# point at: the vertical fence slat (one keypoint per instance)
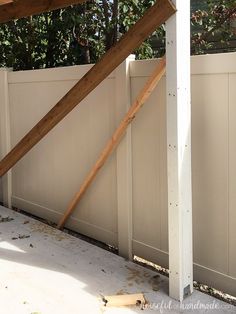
(5, 143)
(124, 163)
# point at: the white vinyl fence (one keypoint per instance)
(127, 203)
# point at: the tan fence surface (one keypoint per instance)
(127, 202)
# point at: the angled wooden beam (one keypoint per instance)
(11, 10)
(154, 17)
(116, 137)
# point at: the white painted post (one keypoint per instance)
(179, 151)
(5, 144)
(124, 162)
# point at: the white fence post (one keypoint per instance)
(124, 162)
(5, 143)
(179, 151)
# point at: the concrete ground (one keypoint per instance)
(45, 271)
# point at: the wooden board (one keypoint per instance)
(154, 17)
(11, 10)
(5, 1)
(124, 300)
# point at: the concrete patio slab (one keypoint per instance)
(46, 271)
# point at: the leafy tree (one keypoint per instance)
(212, 23)
(81, 34)
(75, 35)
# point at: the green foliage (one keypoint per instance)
(212, 25)
(75, 35)
(81, 34)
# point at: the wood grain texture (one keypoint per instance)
(11, 10)
(116, 137)
(124, 300)
(5, 1)
(154, 17)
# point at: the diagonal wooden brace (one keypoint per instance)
(154, 17)
(116, 137)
